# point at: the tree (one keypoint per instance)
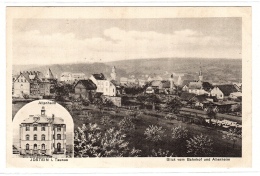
(232, 135)
(90, 141)
(108, 103)
(211, 112)
(179, 133)
(99, 103)
(152, 99)
(174, 105)
(126, 125)
(154, 133)
(200, 145)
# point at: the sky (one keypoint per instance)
(57, 41)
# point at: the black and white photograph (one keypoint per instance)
(143, 87)
(42, 129)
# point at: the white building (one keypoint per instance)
(42, 135)
(72, 77)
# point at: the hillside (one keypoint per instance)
(213, 69)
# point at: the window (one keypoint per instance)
(43, 137)
(43, 146)
(35, 146)
(43, 128)
(58, 128)
(21, 80)
(27, 146)
(27, 128)
(35, 137)
(27, 137)
(58, 137)
(34, 128)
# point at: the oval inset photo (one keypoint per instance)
(43, 129)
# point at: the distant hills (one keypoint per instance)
(213, 69)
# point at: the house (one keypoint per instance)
(42, 135)
(199, 87)
(32, 83)
(69, 77)
(85, 89)
(185, 85)
(112, 88)
(223, 91)
(100, 81)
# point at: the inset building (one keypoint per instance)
(42, 135)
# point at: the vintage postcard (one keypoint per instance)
(139, 87)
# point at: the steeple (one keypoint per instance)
(113, 73)
(171, 81)
(200, 75)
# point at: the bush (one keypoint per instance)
(178, 132)
(89, 141)
(154, 133)
(200, 145)
(126, 124)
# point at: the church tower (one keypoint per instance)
(113, 74)
(200, 75)
(171, 81)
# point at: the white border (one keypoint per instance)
(255, 79)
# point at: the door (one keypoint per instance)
(58, 147)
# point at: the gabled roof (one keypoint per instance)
(99, 76)
(200, 98)
(187, 96)
(186, 82)
(36, 119)
(88, 84)
(49, 74)
(115, 83)
(31, 76)
(227, 89)
(156, 83)
(166, 84)
(195, 85)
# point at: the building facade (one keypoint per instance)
(85, 89)
(68, 77)
(42, 135)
